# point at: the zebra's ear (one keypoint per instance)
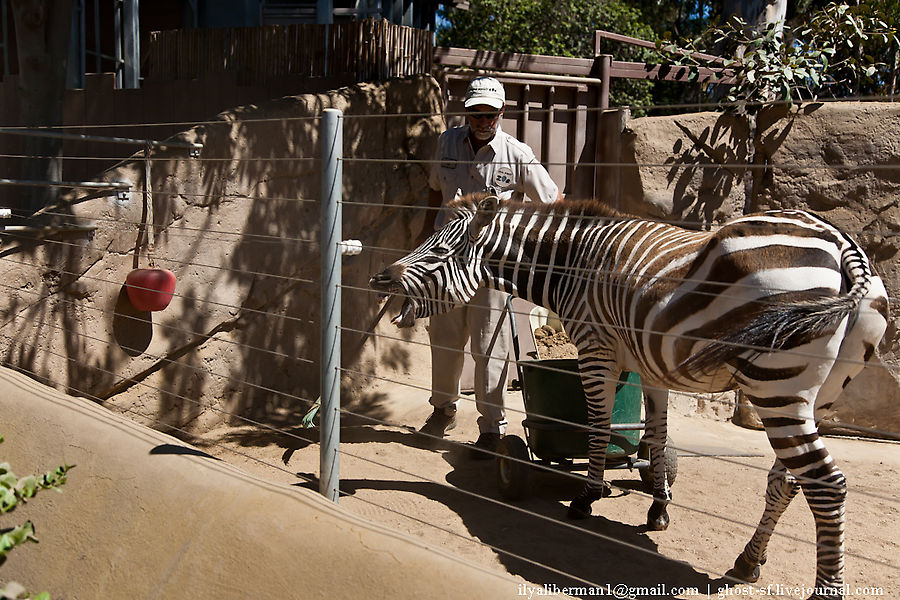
(485, 213)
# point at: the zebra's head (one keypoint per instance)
(446, 270)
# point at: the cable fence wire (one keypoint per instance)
(221, 236)
(233, 120)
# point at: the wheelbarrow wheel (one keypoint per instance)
(671, 459)
(513, 470)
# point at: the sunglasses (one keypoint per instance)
(488, 115)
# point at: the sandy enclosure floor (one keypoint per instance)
(441, 496)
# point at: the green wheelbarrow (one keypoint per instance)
(556, 429)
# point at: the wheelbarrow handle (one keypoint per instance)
(515, 336)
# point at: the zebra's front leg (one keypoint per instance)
(656, 401)
(598, 377)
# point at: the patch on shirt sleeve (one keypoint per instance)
(503, 177)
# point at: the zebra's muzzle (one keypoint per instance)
(387, 284)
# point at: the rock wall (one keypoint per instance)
(239, 226)
(841, 160)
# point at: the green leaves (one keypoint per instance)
(16, 536)
(841, 51)
(14, 591)
(54, 479)
(15, 491)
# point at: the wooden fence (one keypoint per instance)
(370, 50)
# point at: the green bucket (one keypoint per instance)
(552, 388)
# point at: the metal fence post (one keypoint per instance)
(605, 68)
(329, 426)
(131, 45)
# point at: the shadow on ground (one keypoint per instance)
(534, 539)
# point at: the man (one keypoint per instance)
(478, 157)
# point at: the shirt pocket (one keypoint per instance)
(448, 170)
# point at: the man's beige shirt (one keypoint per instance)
(504, 165)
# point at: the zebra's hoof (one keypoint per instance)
(580, 507)
(828, 594)
(579, 510)
(744, 570)
(657, 517)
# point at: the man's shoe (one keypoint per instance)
(485, 446)
(439, 423)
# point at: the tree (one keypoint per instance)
(757, 12)
(758, 17)
(679, 18)
(43, 29)
(840, 51)
(551, 28)
(865, 39)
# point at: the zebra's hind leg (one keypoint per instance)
(598, 377)
(792, 433)
(656, 404)
(780, 490)
(825, 489)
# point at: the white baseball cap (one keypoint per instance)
(485, 90)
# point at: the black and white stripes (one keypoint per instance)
(782, 305)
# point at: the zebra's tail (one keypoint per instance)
(782, 327)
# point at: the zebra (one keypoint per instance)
(781, 304)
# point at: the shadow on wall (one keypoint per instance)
(712, 146)
(239, 226)
(688, 168)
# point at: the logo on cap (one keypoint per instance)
(487, 91)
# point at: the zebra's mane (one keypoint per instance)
(581, 207)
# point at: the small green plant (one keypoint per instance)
(838, 52)
(13, 493)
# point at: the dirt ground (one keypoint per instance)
(441, 496)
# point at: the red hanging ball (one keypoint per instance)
(150, 289)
